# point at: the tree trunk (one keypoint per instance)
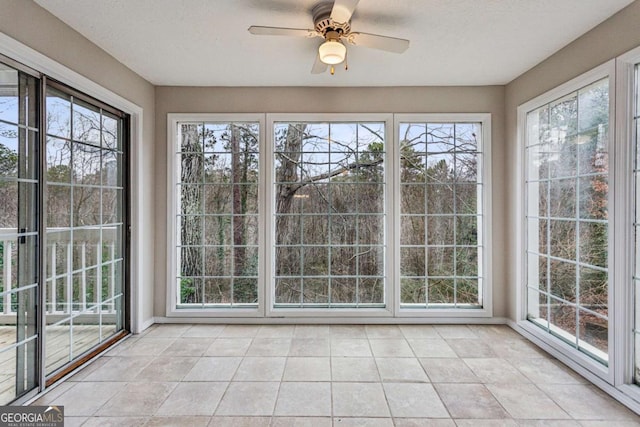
(238, 190)
(287, 174)
(191, 176)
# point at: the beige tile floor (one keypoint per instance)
(210, 375)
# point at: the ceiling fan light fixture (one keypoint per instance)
(332, 52)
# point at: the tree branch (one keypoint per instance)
(355, 165)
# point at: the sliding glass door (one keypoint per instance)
(85, 219)
(63, 220)
(19, 233)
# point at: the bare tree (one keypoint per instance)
(191, 176)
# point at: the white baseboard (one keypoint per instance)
(332, 320)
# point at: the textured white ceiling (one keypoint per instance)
(453, 42)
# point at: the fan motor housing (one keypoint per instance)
(323, 22)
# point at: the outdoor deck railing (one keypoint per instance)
(80, 283)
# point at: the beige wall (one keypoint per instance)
(28, 23)
(613, 37)
(488, 99)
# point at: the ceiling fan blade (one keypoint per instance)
(343, 9)
(319, 67)
(280, 31)
(374, 41)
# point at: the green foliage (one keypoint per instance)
(187, 291)
(2, 266)
(245, 291)
(59, 173)
(8, 161)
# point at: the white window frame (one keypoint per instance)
(374, 312)
(626, 138)
(568, 354)
(265, 309)
(173, 208)
(484, 233)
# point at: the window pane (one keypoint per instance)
(58, 160)
(315, 230)
(439, 199)
(537, 307)
(562, 239)
(245, 291)
(594, 332)
(9, 150)
(594, 290)
(111, 132)
(440, 230)
(371, 290)
(58, 114)
(217, 291)
(86, 206)
(563, 157)
(86, 123)
(562, 198)
(563, 280)
(563, 115)
(440, 137)
(594, 243)
(9, 96)
(593, 197)
(58, 206)
(288, 291)
(412, 230)
(412, 262)
(441, 291)
(315, 261)
(412, 198)
(288, 261)
(316, 290)
(413, 291)
(467, 291)
(539, 158)
(111, 163)
(562, 320)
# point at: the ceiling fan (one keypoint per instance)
(332, 22)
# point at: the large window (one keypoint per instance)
(567, 217)
(440, 214)
(580, 223)
(217, 231)
(328, 215)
